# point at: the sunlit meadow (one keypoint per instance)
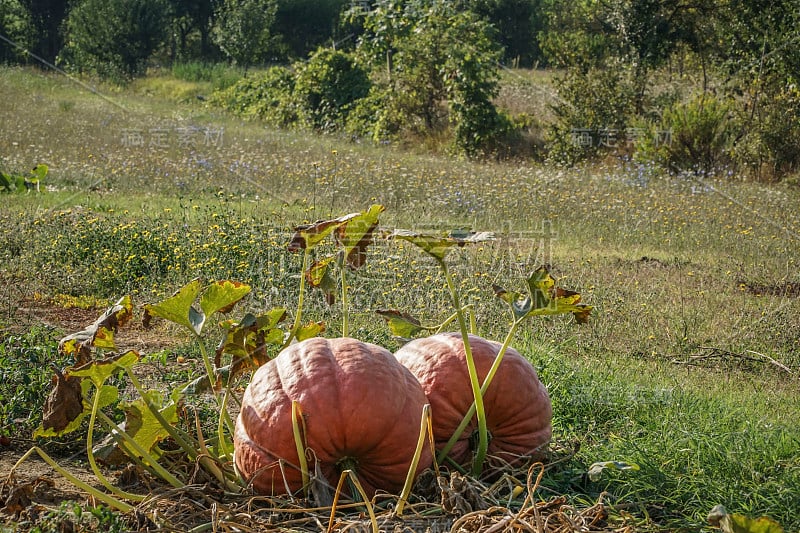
(688, 367)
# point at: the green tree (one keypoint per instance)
(439, 66)
(47, 17)
(16, 25)
(189, 17)
(577, 34)
(517, 23)
(756, 48)
(243, 30)
(114, 38)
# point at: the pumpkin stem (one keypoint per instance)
(424, 431)
(346, 463)
(486, 382)
(477, 394)
(474, 439)
(349, 464)
(300, 298)
(299, 433)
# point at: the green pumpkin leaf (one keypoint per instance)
(178, 308)
(98, 335)
(318, 273)
(401, 324)
(312, 329)
(38, 173)
(308, 236)
(319, 276)
(438, 246)
(6, 181)
(544, 298)
(596, 470)
(356, 235)
(217, 297)
(737, 523)
(540, 285)
(221, 296)
(98, 371)
(142, 425)
(248, 339)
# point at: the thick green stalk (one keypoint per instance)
(224, 416)
(350, 475)
(412, 468)
(299, 443)
(148, 459)
(300, 298)
(345, 304)
(225, 446)
(484, 387)
(483, 434)
(179, 436)
(101, 496)
(499, 357)
(372, 519)
(193, 448)
(209, 462)
(452, 317)
(212, 377)
(90, 455)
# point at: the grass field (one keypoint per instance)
(688, 368)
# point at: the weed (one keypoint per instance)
(25, 379)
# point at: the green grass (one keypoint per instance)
(691, 280)
(24, 375)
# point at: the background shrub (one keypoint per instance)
(769, 142)
(595, 104)
(220, 75)
(699, 133)
(114, 38)
(327, 87)
(267, 96)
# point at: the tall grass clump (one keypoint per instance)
(220, 75)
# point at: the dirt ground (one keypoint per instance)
(35, 486)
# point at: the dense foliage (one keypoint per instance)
(703, 401)
(114, 39)
(627, 67)
(242, 30)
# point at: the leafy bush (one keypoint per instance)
(266, 96)
(698, 133)
(15, 23)
(327, 87)
(480, 129)
(375, 116)
(770, 144)
(440, 69)
(471, 81)
(594, 105)
(242, 30)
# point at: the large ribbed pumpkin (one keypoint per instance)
(361, 407)
(518, 409)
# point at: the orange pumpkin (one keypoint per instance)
(518, 410)
(361, 409)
